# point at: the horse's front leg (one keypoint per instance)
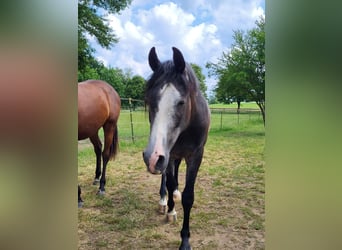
(188, 196)
(187, 202)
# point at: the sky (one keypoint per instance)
(201, 29)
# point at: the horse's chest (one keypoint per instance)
(185, 145)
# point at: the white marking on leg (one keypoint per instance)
(177, 196)
(172, 216)
(163, 205)
(163, 201)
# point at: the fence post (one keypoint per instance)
(221, 119)
(131, 117)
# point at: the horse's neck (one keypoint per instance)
(199, 106)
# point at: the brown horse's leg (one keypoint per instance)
(80, 201)
(108, 129)
(95, 140)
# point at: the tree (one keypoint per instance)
(198, 72)
(91, 70)
(241, 71)
(92, 20)
(135, 88)
(115, 77)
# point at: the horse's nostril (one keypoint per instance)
(160, 162)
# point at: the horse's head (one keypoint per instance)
(168, 96)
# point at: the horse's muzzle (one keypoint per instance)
(155, 163)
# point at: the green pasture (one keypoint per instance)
(228, 212)
(243, 105)
(220, 120)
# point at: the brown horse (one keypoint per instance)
(98, 106)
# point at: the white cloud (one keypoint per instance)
(163, 26)
(235, 14)
(171, 13)
(103, 60)
(202, 30)
(257, 12)
(115, 24)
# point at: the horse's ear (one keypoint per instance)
(153, 59)
(178, 60)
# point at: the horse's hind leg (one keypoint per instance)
(177, 196)
(80, 201)
(171, 185)
(108, 129)
(162, 193)
(95, 140)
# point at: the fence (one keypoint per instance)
(134, 123)
(229, 117)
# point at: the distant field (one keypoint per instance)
(246, 105)
(218, 121)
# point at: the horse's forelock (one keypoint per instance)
(187, 81)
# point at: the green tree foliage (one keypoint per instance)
(135, 87)
(241, 71)
(91, 70)
(198, 71)
(87, 73)
(115, 77)
(92, 20)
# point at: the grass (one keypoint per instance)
(228, 212)
(137, 121)
(246, 105)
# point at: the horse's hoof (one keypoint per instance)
(80, 204)
(162, 209)
(162, 205)
(185, 248)
(96, 181)
(185, 245)
(177, 196)
(172, 216)
(101, 192)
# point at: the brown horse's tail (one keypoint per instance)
(115, 144)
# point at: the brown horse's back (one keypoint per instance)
(98, 103)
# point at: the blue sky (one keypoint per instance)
(201, 29)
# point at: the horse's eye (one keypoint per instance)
(180, 103)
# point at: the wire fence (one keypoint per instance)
(134, 122)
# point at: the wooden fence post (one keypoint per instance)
(131, 117)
